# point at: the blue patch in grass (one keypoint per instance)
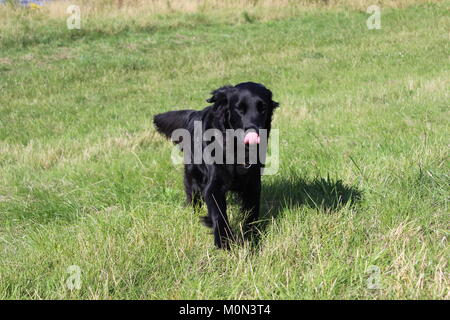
(27, 3)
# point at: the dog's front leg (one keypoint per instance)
(217, 213)
(251, 196)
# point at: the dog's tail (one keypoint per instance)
(167, 122)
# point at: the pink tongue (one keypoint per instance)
(251, 138)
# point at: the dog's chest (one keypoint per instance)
(240, 176)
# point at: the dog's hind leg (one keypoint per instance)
(191, 188)
(188, 185)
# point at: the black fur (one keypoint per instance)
(244, 106)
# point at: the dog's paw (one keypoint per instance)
(206, 221)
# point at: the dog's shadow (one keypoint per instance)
(326, 195)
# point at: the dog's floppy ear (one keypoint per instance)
(275, 104)
(221, 99)
(220, 96)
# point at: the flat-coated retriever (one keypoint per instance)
(247, 106)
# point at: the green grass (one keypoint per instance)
(364, 175)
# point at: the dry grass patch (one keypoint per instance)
(129, 9)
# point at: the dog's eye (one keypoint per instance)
(242, 107)
(261, 107)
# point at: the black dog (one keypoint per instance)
(247, 106)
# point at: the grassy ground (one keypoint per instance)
(364, 174)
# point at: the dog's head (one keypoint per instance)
(247, 106)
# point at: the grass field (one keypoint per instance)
(364, 133)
